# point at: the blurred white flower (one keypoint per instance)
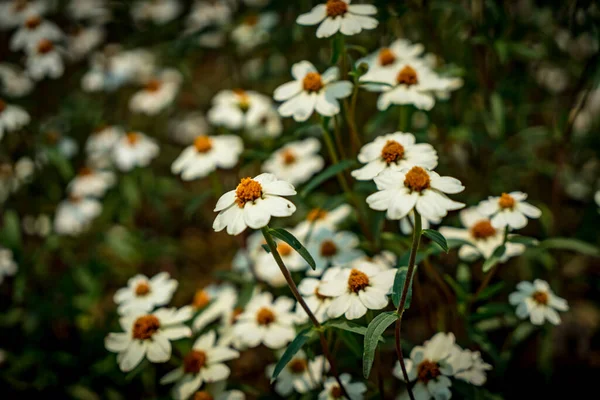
(159, 12)
(34, 29)
(185, 129)
(330, 248)
(319, 218)
(14, 13)
(340, 15)
(204, 363)
(158, 93)
(249, 254)
(310, 91)
(332, 391)
(214, 15)
(357, 290)
(8, 266)
(296, 162)
(44, 60)
(553, 78)
(74, 215)
(268, 270)
(90, 182)
(238, 109)
(134, 149)
(468, 366)
(253, 203)
(266, 321)
(13, 81)
(12, 118)
(82, 41)
(299, 375)
(215, 302)
(537, 302)
(254, 31)
(315, 300)
(217, 391)
(268, 126)
(94, 11)
(142, 294)
(394, 151)
(509, 210)
(206, 154)
(100, 143)
(40, 226)
(148, 335)
(400, 192)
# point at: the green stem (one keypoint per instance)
(409, 277)
(403, 124)
(338, 136)
(216, 184)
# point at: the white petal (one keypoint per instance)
(287, 90)
(300, 69)
(159, 350)
(132, 356)
(329, 27)
(316, 15)
(356, 308)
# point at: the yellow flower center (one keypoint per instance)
(153, 85)
(243, 99)
(201, 299)
(386, 57)
(203, 395)
(357, 281)
(392, 151)
(265, 316)
(483, 229)
(45, 46)
(407, 76)
(506, 201)
(298, 365)
(194, 361)
(145, 326)
(335, 8)
(86, 171)
(316, 214)
(251, 20)
(312, 81)
(133, 138)
(236, 313)
(427, 371)
(142, 289)
(417, 179)
(328, 248)
(248, 190)
(33, 22)
(202, 144)
(288, 157)
(540, 297)
(284, 249)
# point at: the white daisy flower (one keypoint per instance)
(95, 11)
(134, 149)
(33, 30)
(268, 126)
(159, 12)
(254, 31)
(37, 226)
(44, 60)
(113, 68)
(407, 223)
(537, 301)
(428, 368)
(100, 143)
(268, 270)
(215, 14)
(266, 321)
(216, 302)
(484, 238)
(394, 151)
(388, 58)
(332, 390)
(249, 254)
(364, 287)
(12, 118)
(296, 162)
(148, 335)
(300, 374)
(82, 41)
(206, 154)
(310, 91)
(204, 363)
(74, 215)
(217, 391)
(319, 218)
(142, 294)
(317, 302)
(340, 15)
(253, 203)
(330, 248)
(8, 266)
(158, 93)
(509, 210)
(384, 260)
(90, 182)
(238, 109)
(14, 13)
(417, 188)
(468, 366)
(13, 81)
(185, 129)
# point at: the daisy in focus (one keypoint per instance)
(254, 31)
(340, 16)
(253, 203)
(206, 154)
(8, 266)
(75, 214)
(509, 210)
(12, 118)
(204, 363)
(315, 300)
(159, 12)
(266, 321)
(44, 60)
(394, 151)
(134, 149)
(417, 188)
(332, 390)
(310, 91)
(142, 294)
(300, 374)
(537, 301)
(296, 162)
(148, 335)
(357, 290)
(157, 94)
(330, 248)
(90, 182)
(238, 109)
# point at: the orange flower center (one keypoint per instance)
(427, 371)
(336, 8)
(483, 229)
(243, 99)
(86, 171)
(298, 365)
(142, 289)
(407, 76)
(540, 297)
(392, 151)
(312, 81)
(284, 249)
(357, 281)
(194, 361)
(506, 201)
(328, 248)
(288, 157)
(316, 214)
(236, 313)
(265, 316)
(247, 191)
(45, 46)
(2, 105)
(251, 20)
(386, 57)
(145, 326)
(133, 138)
(153, 85)
(417, 179)
(33, 22)
(202, 144)
(203, 395)
(201, 299)
(336, 392)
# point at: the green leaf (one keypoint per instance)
(399, 280)
(437, 237)
(337, 44)
(348, 326)
(291, 351)
(494, 258)
(575, 245)
(526, 240)
(374, 331)
(11, 232)
(330, 172)
(490, 291)
(290, 239)
(61, 163)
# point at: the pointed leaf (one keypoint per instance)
(494, 258)
(437, 237)
(290, 239)
(374, 331)
(299, 341)
(399, 280)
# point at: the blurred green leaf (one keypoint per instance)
(291, 351)
(399, 280)
(494, 258)
(575, 245)
(11, 231)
